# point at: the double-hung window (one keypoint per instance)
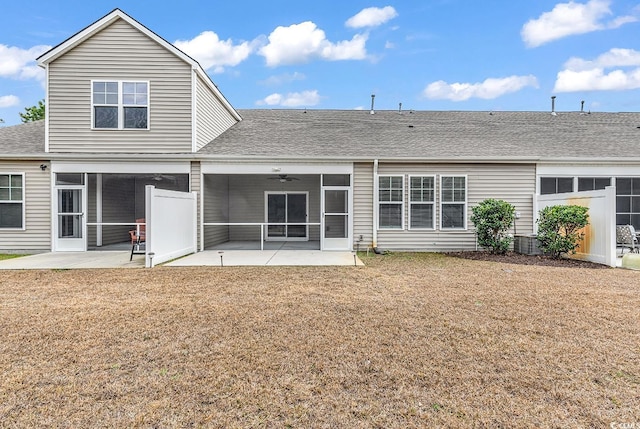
(120, 105)
(453, 202)
(12, 200)
(390, 202)
(421, 202)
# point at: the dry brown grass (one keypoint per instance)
(407, 341)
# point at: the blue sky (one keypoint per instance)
(427, 55)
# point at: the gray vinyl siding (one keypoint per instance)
(36, 237)
(120, 52)
(215, 194)
(212, 117)
(362, 205)
(512, 183)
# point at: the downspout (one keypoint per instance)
(376, 185)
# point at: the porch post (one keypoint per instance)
(99, 209)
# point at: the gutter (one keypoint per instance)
(320, 159)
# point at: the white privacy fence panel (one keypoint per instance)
(599, 243)
(171, 225)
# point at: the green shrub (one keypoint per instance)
(492, 219)
(559, 229)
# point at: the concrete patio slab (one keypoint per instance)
(266, 257)
(71, 260)
(120, 259)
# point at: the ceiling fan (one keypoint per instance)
(282, 178)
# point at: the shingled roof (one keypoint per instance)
(23, 139)
(421, 135)
(431, 135)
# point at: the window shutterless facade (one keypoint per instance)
(120, 105)
(12, 200)
(390, 202)
(422, 190)
(453, 202)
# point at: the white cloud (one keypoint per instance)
(9, 101)
(585, 75)
(567, 19)
(489, 89)
(292, 99)
(17, 63)
(299, 43)
(615, 57)
(213, 53)
(371, 17)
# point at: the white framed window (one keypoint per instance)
(453, 202)
(119, 105)
(11, 200)
(422, 194)
(628, 201)
(593, 183)
(390, 202)
(555, 185)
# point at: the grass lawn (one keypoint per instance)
(9, 256)
(410, 340)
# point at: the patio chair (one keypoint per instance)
(626, 238)
(138, 237)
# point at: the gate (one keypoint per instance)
(171, 224)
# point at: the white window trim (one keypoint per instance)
(121, 105)
(401, 203)
(465, 203)
(23, 201)
(433, 202)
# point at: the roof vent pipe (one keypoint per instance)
(553, 105)
(582, 107)
(373, 96)
(400, 108)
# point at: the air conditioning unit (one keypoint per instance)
(526, 245)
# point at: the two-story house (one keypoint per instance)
(127, 109)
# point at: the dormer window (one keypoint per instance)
(120, 105)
